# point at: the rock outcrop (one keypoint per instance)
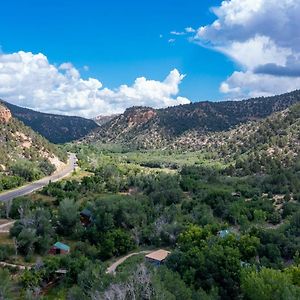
(5, 114)
(187, 125)
(101, 120)
(139, 115)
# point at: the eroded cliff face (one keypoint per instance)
(5, 114)
(139, 115)
(102, 119)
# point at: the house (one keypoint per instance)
(236, 194)
(157, 257)
(85, 217)
(223, 233)
(59, 248)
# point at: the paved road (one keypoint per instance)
(34, 186)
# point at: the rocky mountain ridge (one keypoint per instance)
(24, 154)
(55, 128)
(148, 128)
(102, 119)
(276, 134)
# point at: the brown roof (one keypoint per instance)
(158, 255)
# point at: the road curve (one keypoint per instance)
(34, 186)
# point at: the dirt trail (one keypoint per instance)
(4, 228)
(112, 268)
(20, 267)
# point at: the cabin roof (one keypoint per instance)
(62, 246)
(158, 255)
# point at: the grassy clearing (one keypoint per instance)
(5, 239)
(93, 156)
(78, 175)
(130, 263)
(167, 158)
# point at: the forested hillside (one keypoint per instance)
(274, 138)
(25, 155)
(55, 128)
(147, 128)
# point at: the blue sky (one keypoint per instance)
(92, 52)
(119, 40)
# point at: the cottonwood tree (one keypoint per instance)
(268, 284)
(68, 216)
(5, 285)
(8, 205)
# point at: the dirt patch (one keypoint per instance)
(3, 221)
(57, 163)
(5, 239)
(6, 225)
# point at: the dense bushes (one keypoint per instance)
(25, 171)
(23, 155)
(10, 182)
(186, 211)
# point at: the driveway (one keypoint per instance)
(4, 228)
(112, 268)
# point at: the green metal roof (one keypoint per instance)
(62, 246)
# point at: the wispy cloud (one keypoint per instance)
(177, 33)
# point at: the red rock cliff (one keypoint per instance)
(138, 116)
(5, 114)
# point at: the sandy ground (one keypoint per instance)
(6, 225)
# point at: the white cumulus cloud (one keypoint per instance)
(190, 30)
(263, 37)
(250, 84)
(29, 80)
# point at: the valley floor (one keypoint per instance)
(226, 229)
